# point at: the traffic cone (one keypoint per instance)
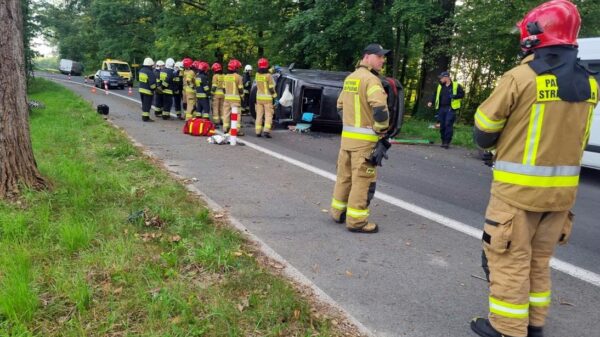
(106, 87)
(94, 88)
(234, 124)
(130, 92)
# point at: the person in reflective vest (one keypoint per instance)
(147, 86)
(234, 90)
(202, 91)
(363, 106)
(218, 96)
(189, 86)
(265, 95)
(158, 101)
(178, 88)
(447, 98)
(168, 86)
(538, 119)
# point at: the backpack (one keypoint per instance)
(199, 127)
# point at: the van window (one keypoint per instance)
(120, 67)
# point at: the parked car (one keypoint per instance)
(70, 67)
(112, 77)
(121, 67)
(317, 91)
(589, 52)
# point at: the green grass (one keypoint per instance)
(116, 247)
(419, 129)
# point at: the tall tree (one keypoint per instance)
(17, 165)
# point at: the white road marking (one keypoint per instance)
(565, 267)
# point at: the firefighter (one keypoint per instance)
(538, 120)
(234, 90)
(158, 100)
(147, 86)
(178, 88)
(247, 80)
(189, 86)
(363, 103)
(166, 80)
(218, 95)
(265, 94)
(202, 91)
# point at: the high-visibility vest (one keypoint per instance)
(265, 88)
(454, 102)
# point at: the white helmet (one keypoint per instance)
(148, 62)
(160, 63)
(179, 64)
(248, 67)
(169, 63)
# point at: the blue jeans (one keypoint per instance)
(446, 117)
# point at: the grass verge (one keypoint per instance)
(118, 248)
(420, 129)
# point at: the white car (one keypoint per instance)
(589, 53)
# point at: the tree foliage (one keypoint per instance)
(474, 38)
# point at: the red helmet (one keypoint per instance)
(263, 63)
(203, 66)
(195, 64)
(552, 23)
(217, 67)
(234, 65)
(187, 62)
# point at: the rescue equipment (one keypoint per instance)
(102, 109)
(199, 127)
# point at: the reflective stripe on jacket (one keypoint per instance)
(189, 81)
(166, 79)
(202, 89)
(541, 139)
(233, 87)
(362, 101)
(147, 81)
(217, 85)
(265, 87)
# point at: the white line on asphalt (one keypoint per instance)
(565, 267)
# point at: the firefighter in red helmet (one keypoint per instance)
(234, 90)
(538, 121)
(217, 93)
(265, 94)
(202, 91)
(189, 86)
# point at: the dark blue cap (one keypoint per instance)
(444, 74)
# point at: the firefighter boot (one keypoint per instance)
(535, 331)
(147, 119)
(369, 228)
(484, 328)
(267, 134)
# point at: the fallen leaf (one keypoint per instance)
(348, 273)
(175, 238)
(296, 314)
(118, 291)
(324, 210)
(238, 254)
(218, 215)
(176, 320)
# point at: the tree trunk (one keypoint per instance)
(17, 165)
(436, 52)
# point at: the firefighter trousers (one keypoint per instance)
(227, 108)
(263, 109)
(158, 104)
(167, 100)
(190, 99)
(146, 104)
(202, 108)
(177, 103)
(217, 108)
(354, 187)
(517, 247)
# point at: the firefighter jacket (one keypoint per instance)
(202, 88)
(234, 88)
(363, 103)
(189, 81)
(539, 138)
(265, 88)
(156, 72)
(177, 81)
(147, 81)
(166, 80)
(247, 82)
(455, 99)
(217, 85)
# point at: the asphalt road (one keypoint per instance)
(414, 278)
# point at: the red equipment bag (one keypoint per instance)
(199, 127)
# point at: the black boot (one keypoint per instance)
(484, 328)
(342, 218)
(535, 331)
(166, 117)
(267, 134)
(147, 119)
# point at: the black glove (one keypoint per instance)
(379, 152)
(488, 158)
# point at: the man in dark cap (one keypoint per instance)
(363, 106)
(447, 100)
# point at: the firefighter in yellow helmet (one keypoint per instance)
(189, 86)
(363, 103)
(265, 94)
(538, 120)
(234, 90)
(217, 93)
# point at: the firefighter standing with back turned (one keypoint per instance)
(202, 91)
(265, 94)
(366, 119)
(147, 86)
(538, 119)
(234, 90)
(189, 86)
(217, 93)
